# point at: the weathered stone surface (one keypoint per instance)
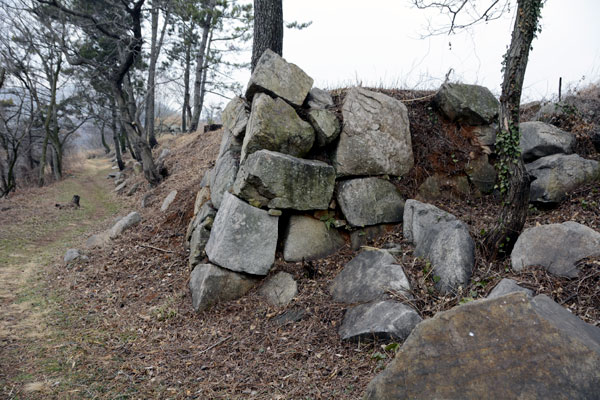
(276, 180)
(511, 347)
(210, 284)
(230, 143)
(146, 200)
(134, 189)
(556, 175)
(223, 176)
(97, 240)
(469, 104)
(386, 319)
(274, 75)
(235, 117)
(369, 276)
(486, 134)
(307, 238)
(482, 174)
(370, 201)
(506, 286)
(539, 139)
(202, 197)
(327, 126)
(72, 255)
(319, 99)
(556, 247)
(168, 200)
(444, 241)
(199, 233)
(120, 189)
(124, 223)
(375, 138)
(280, 289)
(243, 238)
(274, 125)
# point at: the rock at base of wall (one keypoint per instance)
(307, 238)
(280, 289)
(210, 284)
(124, 223)
(539, 139)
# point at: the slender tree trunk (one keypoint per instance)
(104, 144)
(205, 72)
(501, 238)
(268, 28)
(186, 86)
(116, 140)
(43, 161)
(200, 57)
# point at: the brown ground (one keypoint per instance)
(122, 326)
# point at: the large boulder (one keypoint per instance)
(556, 247)
(387, 319)
(307, 238)
(274, 75)
(274, 125)
(370, 201)
(276, 180)
(539, 139)
(243, 238)
(375, 138)
(223, 176)
(370, 276)
(511, 347)
(235, 117)
(124, 223)
(444, 241)
(210, 284)
(553, 177)
(468, 104)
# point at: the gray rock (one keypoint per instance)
(223, 176)
(202, 197)
(370, 201)
(375, 138)
(230, 143)
(280, 289)
(274, 125)
(168, 200)
(506, 286)
(201, 226)
(71, 255)
(146, 200)
(369, 276)
(319, 99)
(469, 104)
(290, 316)
(307, 238)
(120, 189)
(134, 189)
(482, 174)
(123, 224)
(511, 347)
(556, 175)
(486, 134)
(274, 75)
(276, 180)
(243, 238)
(539, 139)
(326, 124)
(556, 247)
(388, 319)
(138, 168)
(210, 284)
(444, 241)
(97, 240)
(235, 117)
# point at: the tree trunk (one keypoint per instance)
(186, 86)
(114, 121)
(268, 28)
(205, 73)
(513, 177)
(200, 57)
(104, 144)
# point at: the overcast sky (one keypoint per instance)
(378, 42)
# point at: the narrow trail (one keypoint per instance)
(34, 234)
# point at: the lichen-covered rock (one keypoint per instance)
(482, 174)
(556, 175)
(369, 276)
(485, 134)
(319, 99)
(243, 238)
(276, 180)
(199, 233)
(274, 75)
(375, 138)
(307, 238)
(506, 286)
(235, 117)
(468, 104)
(326, 124)
(511, 347)
(370, 201)
(556, 247)
(280, 289)
(210, 284)
(223, 176)
(539, 139)
(387, 319)
(123, 224)
(274, 125)
(418, 217)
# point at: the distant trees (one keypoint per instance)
(512, 176)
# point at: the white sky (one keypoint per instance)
(377, 42)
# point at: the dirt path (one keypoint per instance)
(33, 236)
